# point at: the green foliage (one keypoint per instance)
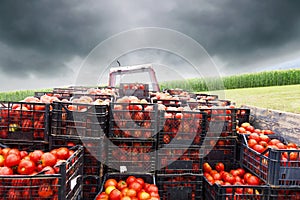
(18, 95)
(260, 79)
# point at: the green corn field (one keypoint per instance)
(261, 79)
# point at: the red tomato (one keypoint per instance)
(102, 196)
(6, 171)
(62, 153)
(253, 180)
(152, 188)
(254, 136)
(125, 198)
(110, 182)
(35, 156)
(131, 193)
(264, 138)
(220, 167)
(12, 160)
(115, 194)
(241, 172)
(259, 148)
(45, 190)
(251, 142)
(48, 159)
(136, 186)
(130, 179)
(229, 178)
(14, 151)
(274, 141)
(140, 181)
(26, 167)
(121, 185)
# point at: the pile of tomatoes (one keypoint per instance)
(131, 188)
(237, 176)
(19, 162)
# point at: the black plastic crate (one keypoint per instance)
(218, 148)
(131, 155)
(180, 186)
(221, 121)
(270, 165)
(91, 187)
(67, 184)
(22, 121)
(25, 146)
(139, 90)
(95, 152)
(133, 120)
(79, 120)
(284, 192)
(224, 192)
(244, 192)
(173, 159)
(182, 128)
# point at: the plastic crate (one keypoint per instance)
(283, 193)
(147, 177)
(139, 90)
(182, 128)
(173, 159)
(224, 192)
(67, 184)
(79, 120)
(22, 121)
(133, 120)
(220, 121)
(95, 151)
(131, 155)
(217, 148)
(91, 187)
(167, 102)
(25, 146)
(180, 186)
(270, 166)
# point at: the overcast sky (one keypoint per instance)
(44, 42)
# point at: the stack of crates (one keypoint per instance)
(82, 124)
(132, 137)
(279, 168)
(179, 163)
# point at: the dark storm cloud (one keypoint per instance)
(44, 36)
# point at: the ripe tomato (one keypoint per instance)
(48, 159)
(102, 196)
(121, 185)
(109, 189)
(6, 171)
(125, 198)
(259, 148)
(254, 136)
(253, 180)
(241, 172)
(26, 167)
(45, 190)
(135, 185)
(115, 194)
(140, 181)
(220, 167)
(62, 153)
(229, 178)
(12, 160)
(251, 142)
(35, 156)
(274, 141)
(130, 179)
(131, 193)
(152, 188)
(264, 137)
(206, 167)
(109, 182)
